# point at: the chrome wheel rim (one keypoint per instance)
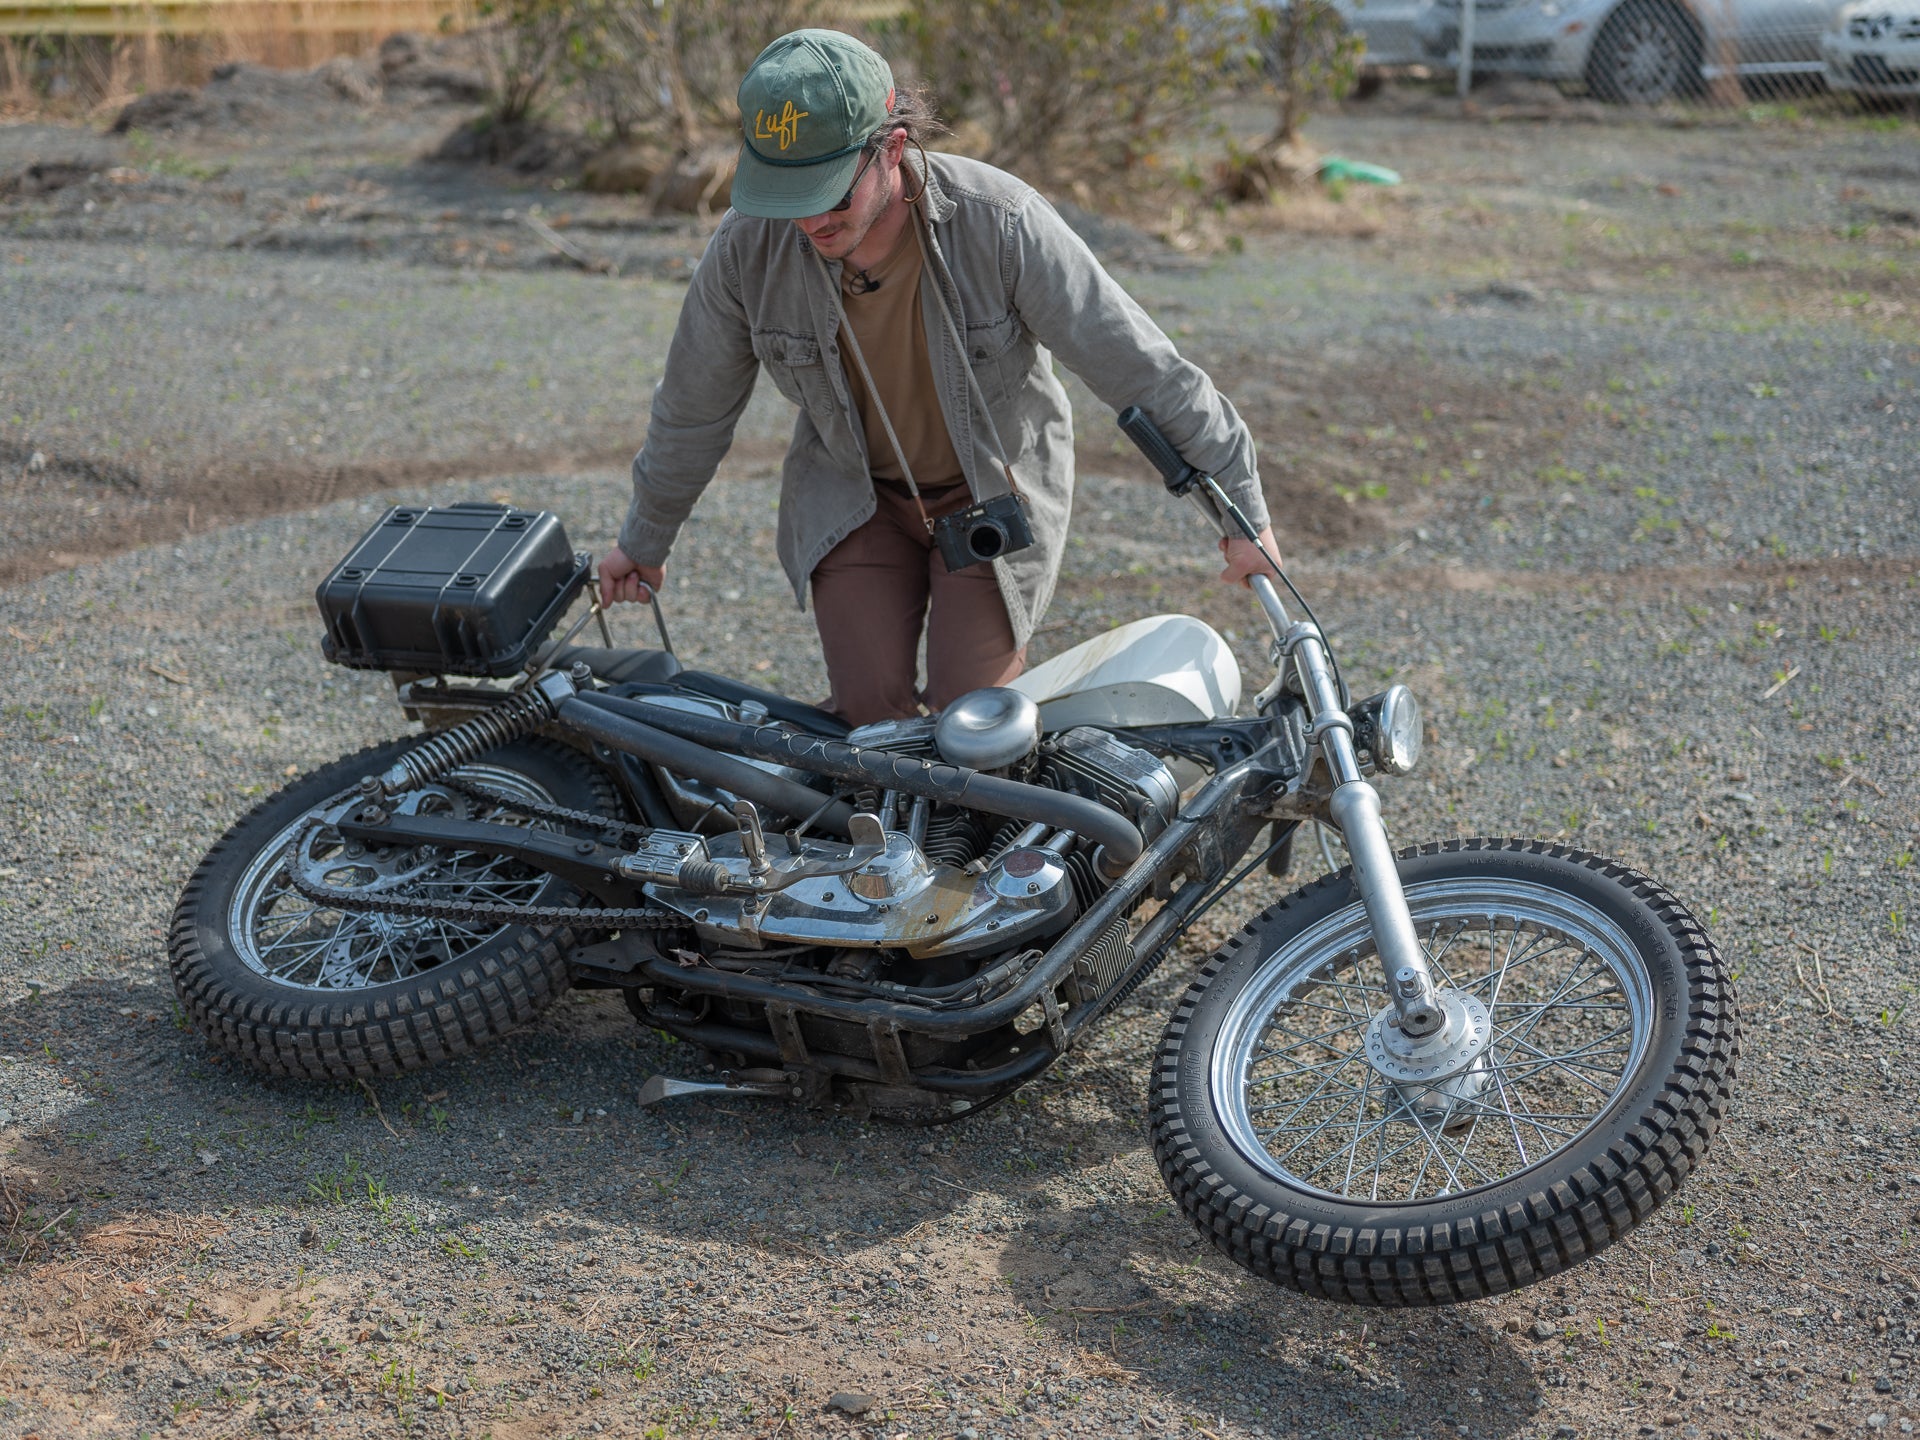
(304, 945)
(1570, 999)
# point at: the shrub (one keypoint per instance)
(1309, 56)
(1060, 87)
(671, 69)
(521, 44)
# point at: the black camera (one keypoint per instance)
(983, 532)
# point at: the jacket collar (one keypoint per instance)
(937, 203)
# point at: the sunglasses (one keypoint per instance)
(846, 200)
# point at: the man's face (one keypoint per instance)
(838, 233)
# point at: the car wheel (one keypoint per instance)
(1646, 53)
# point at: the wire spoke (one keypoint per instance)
(1568, 1006)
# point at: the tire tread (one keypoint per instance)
(448, 1011)
(1566, 1223)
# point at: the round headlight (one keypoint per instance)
(1396, 733)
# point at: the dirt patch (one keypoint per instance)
(86, 509)
(242, 96)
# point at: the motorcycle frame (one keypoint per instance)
(1295, 761)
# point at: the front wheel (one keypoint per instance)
(1586, 1063)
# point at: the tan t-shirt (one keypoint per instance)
(884, 310)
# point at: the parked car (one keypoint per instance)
(1872, 47)
(1388, 29)
(1634, 52)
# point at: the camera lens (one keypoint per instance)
(986, 540)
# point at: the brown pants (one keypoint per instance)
(871, 597)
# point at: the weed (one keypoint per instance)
(667, 1187)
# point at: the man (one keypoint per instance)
(955, 281)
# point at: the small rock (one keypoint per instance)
(907, 1257)
(850, 1402)
(1882, 1385)
(206, 1157)
(383, 1335)
(36, 462)
(1540, 1330)
(309, 1236)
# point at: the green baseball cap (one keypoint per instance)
(807, 106)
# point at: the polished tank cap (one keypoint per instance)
(988, 729)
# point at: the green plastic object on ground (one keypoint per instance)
(1337, 167)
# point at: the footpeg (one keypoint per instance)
(775, 1085)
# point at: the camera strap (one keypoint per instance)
(873, 394)
(953, 333)
(973, 384)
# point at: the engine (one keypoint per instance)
(929, 890)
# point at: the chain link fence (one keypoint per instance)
(1659, 52)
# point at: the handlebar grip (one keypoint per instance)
(1177, 473)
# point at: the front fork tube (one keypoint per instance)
(1355, 806)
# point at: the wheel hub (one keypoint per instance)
(1436, 1073)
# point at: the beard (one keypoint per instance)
(852, 226)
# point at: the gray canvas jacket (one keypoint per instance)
(1021, 285)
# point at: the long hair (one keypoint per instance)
(913, 112)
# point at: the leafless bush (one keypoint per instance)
(670, 70)
(1065, 87)
(1309, 56)
(521, 45)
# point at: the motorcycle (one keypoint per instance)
(1430, 1076)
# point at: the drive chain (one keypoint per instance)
(461, 912)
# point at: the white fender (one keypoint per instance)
(1163, 670)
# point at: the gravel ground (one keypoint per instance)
(1635, 518)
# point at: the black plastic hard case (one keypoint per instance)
(467, 589)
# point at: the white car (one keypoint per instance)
(1389, 30)
(1635, 52)
(1872, 47)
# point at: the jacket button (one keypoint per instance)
(979, 354)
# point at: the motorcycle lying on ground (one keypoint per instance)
(1431, 1076)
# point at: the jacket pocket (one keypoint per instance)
(1000, 354)
(797, 368)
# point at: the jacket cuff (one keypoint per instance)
(644, 542)
(1244, 488)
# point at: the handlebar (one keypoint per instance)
(1207, 497)
(1180, 477)
(1140, 429)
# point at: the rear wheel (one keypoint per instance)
(1586, 1066)
(292, 987)
(1646, 53)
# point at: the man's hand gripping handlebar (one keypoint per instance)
(1246, 554)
